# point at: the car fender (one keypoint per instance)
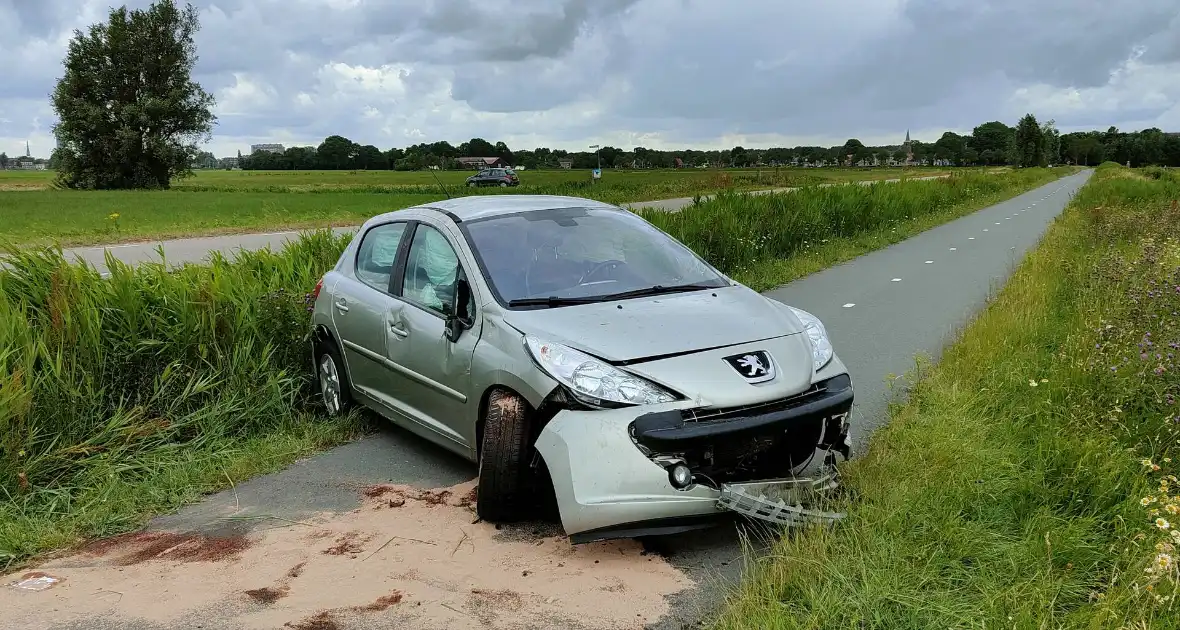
(600, 477)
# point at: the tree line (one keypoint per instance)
(994, 143)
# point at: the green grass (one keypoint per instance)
(988, 502)
(82, 218)
(297, 181)
(132, 395)
(226, 202)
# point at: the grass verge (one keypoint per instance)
(127, 396)
(1021, 483)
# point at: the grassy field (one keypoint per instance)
(217, 202)
(134, 395)
(1029, 481)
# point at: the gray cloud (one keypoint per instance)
(395, 72)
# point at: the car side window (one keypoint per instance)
(432, 272)
(377, 253)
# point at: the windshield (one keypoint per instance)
(582, 253)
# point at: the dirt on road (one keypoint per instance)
(407, 558)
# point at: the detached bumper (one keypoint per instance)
(607, 487)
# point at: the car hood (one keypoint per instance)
(643, 328)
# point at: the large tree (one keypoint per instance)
(1030, 142)
(130, 114)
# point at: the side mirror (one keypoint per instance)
(459, 319)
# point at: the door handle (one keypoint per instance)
(341, 305)
(398, 330)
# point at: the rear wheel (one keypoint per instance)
(471, 184)
(503, 461)
(503, 184)
(334, 390)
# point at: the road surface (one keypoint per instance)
(880, 309)
(198, 249)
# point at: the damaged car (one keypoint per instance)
(570, 347)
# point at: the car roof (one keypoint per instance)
(473, 207)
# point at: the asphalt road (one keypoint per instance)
(178, 251)
(880, 309)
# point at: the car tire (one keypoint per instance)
(503, 184)
(503, 461)
(471, 184)
(335, 393)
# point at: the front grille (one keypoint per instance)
(722, 414)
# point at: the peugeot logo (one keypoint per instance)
(755, 366)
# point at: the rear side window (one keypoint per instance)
(377, 253)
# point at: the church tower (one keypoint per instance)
(909, 149)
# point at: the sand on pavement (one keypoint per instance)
(407, 558)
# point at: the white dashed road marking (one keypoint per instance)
(928, 262)
(849, 305)
(952, 249)
(896, 280)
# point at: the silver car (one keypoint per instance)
(580, 355)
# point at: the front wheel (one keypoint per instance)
(471, 184)
(334, 390)
(503, 184)
(503, 460)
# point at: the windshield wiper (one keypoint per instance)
(553, 300)
(659, 289)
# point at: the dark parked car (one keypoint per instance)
(494, 177)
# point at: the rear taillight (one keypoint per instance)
(315, 294)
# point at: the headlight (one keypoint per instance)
(593, 381)
(821, 347)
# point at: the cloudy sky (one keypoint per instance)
(653, 73)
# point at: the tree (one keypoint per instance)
(1051, 143)
(337, 152)
(477, 147)
(3, 161)
(992, 141)
(1030, 142)
(130, 114)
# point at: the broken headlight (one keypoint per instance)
(592, 381)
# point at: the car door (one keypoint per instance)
(361, 301)
(437, 370)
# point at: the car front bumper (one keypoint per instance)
(607, 486)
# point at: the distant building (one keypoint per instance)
(228, 162)
(482, 162)
(565, 163)
(272, 148)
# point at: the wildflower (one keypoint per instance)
(113, 216)
(1032, 382)
(1146, 462)
(1167, 460)
(1163, 561)
(1162, 523)
(1175, 533)
(1172, 508)
(1044, 380)
(1146, 500)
